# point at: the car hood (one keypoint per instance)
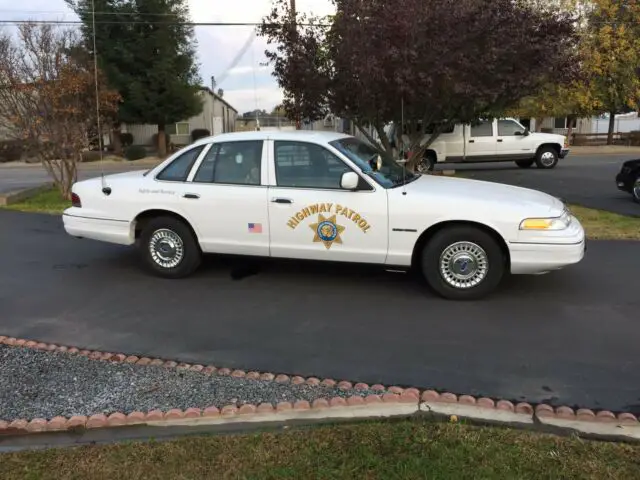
(548, 137)
(632, 163)
(489, 194)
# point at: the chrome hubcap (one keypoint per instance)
(166, 248)
(636, 189)
(464, 265)
(425, 166)
(547, 159)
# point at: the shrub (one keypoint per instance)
(199, 133)
(11, 150)
(91, 156)
(135, 152)
(126, 139)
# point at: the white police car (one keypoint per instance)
(325, 196)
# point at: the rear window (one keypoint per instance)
(178, 170)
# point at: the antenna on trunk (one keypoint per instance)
(106, 190)
(404, 165)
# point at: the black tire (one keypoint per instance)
(428, 163)
(547, 158)
(524, 163)
(172, 229)
(448, 238)
(635, 191)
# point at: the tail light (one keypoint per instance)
(75, 200)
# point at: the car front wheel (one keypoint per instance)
(463, 263)
(168, 248)
(636, 190)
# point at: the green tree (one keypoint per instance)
(147, 50)
(427, 63)
(613, 44)
(608, 55)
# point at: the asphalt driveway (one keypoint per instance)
(583, 180)
(570, 337)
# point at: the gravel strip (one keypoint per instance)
(38, 384)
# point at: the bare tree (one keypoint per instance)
(48, 98)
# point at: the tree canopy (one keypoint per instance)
(439, 62)
(48, 98)
(609, 62)
(147, 50)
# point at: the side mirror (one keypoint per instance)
(349, 181)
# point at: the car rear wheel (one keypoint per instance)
(547, 157)
(524, 163)
(427, 164)
(636, 190)
(463, 263)
(169, 248)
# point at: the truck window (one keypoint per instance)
(508, 128)
(483, 129)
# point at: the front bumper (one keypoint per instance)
(564, 152)
(542, 252)
(624, 182)
(529, 259)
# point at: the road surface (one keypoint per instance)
(570, 337)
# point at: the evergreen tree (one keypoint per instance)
(146, 48)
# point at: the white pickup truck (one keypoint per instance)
(498, 140)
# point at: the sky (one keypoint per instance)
(248, 85)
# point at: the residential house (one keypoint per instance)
(217, 116)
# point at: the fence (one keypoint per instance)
(594, 139)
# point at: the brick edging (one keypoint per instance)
(387, 396)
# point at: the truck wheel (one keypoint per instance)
(546, 158)
(524, 163)
(427, 164)
(168, 248)
(636, 190)
(463, 263)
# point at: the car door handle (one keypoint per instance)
(281, 200)
(499, 140)
(193, 196)
(472, 141)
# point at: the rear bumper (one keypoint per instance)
(111, 231)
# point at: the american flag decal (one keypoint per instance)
(255, 228)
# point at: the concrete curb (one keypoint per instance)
(17, 196)
(389, 402)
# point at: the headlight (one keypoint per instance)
(552, 223)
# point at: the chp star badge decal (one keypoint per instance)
(327, 231)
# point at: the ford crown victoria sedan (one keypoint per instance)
(325, 196)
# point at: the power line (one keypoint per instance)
(137, 22)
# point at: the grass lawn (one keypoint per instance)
(403, 449)
(598, 224)
(606, 225)
(48, 201)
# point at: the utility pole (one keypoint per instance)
(294, 24)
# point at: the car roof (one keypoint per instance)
(318, 136)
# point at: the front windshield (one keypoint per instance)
(390, 175)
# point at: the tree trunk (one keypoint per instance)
(115, 140)
(162, 141)
(612, 126)
(537, 123)
(570, 129)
